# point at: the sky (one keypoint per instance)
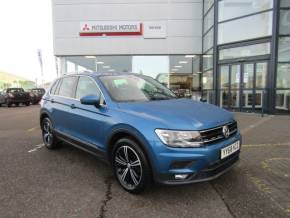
(25, 27)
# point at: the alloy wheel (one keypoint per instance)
(128, 167)
(47, 133)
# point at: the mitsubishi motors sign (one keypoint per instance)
(106, 28)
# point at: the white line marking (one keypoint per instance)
(36, 148)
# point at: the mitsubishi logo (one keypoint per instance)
(86, 28)
(226, 131)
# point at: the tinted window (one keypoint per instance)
(86, 86)
(67, 87)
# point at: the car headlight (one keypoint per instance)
(185, 139)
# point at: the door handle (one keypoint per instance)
(72, 106)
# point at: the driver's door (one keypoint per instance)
(88, 120)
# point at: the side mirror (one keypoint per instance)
(91, 100)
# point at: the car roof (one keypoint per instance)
(99, 74)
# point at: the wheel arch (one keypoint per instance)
(133, 135)
(43, 115)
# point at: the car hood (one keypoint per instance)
(183, 114)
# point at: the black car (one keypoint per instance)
(36, 95)
(14, 96)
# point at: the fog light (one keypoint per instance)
(180, 176)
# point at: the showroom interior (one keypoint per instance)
(240, 60)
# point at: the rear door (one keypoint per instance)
(62, 103)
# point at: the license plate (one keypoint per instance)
(227, 151)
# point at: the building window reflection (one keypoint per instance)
(180, 73)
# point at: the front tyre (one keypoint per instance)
(49, 139)
(130, 166)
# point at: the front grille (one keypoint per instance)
(216, 134)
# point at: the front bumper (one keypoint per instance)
(198, 164)
(210, 173)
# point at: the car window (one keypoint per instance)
(130, 88)
(67, 87)
(86, 86)
(15, 90)
(53, 88)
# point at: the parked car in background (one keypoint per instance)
(14, 96)
(141, 128)
(36, 95)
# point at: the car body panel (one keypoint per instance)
(36, 95)
(20, 96)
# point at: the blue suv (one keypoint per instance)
(140, 128)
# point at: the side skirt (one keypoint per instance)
(89, 148)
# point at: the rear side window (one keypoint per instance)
(67, 87)
(86, 86)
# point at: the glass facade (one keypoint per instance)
(284, 25)
(207, 59)
(256, 26)
(244, 36)
(283, 76)
(245, 51)
(207, 45)
(229, 9)
(284, 49)
(207, 4)
(181, 73)
(208, 40)
(249, 74)
(283, 66)
(208, 21)
(285, 3)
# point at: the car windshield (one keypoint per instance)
(14, 90)
(132, 88)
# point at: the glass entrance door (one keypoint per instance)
(242, 86)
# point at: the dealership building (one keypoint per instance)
(234, 53)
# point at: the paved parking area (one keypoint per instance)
(36, 182)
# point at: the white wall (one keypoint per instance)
(183, 17)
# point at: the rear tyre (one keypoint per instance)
(49, 139)
(9, 104)
(130, 165)
(17, 104)
(27, 103)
